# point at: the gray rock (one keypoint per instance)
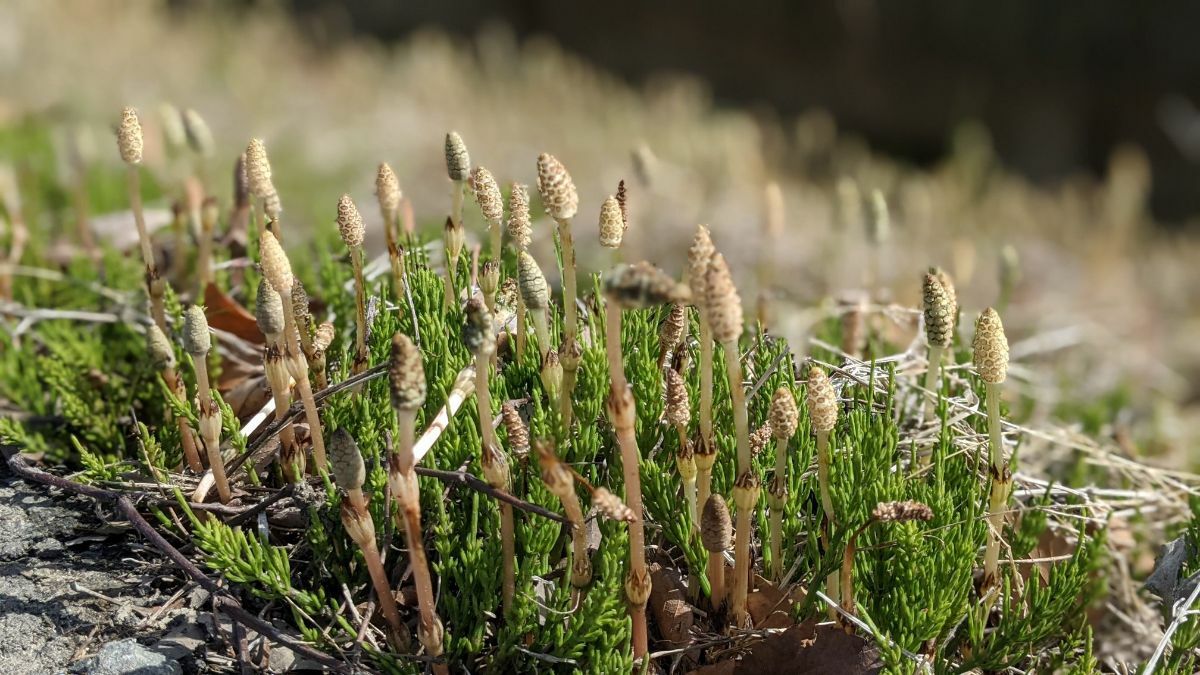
(127, 657)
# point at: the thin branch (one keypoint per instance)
(221, 597)
(475, 483)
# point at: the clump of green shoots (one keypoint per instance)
(196, 341)
(784, 418)
(350, 473)
(886, 512)
(990, 349)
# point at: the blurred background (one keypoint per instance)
(1044, 153)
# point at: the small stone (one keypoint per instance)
(126, 657)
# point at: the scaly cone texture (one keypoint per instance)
(199, 136)
(534, 290)
(784, 418)
(823, 413)
(722, 302)
(556, 187)
(612, 223)
(350, 222)
(643, 285)
(716, 533)
(822, 401)
(268, 311)
(487, 195)
(491, 204)
(349, 471)
(670, 333)
(387, 190)
(520, 227)
(939, 312)
(258, 170)
(196, 338)
(678, 409)
(700, 254)
(514, 426)
(990, 348)
(129, 137)
(406, 374)
(161, 352)
(458, 160)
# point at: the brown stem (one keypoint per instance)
(299, 370)
(210, 428)
(403, 483)
(741, 548)
(175, 385)
(716, 577)
(359, 525)
(360, 313)
(1001, 476)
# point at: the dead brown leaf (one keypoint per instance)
(224, 313)
(805, 649)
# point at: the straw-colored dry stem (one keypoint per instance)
(933, 379)
(360, 313)
(621, 409)
(210, 430)
(403, 480)
(154, 282)
(570, 314)
(359, 525)
(1001, 482)
(298, 367)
